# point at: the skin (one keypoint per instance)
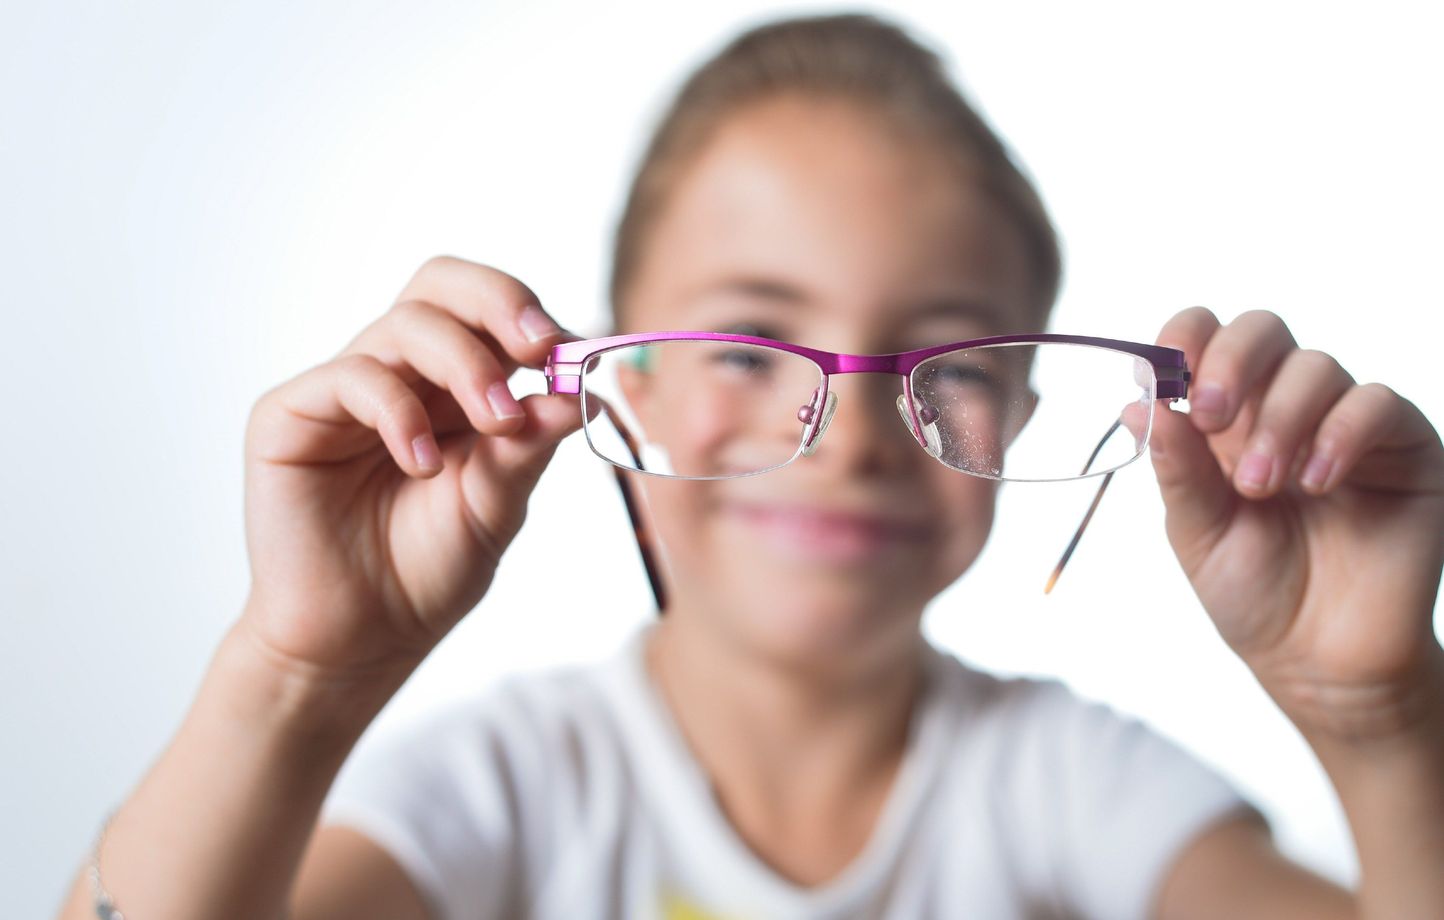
(363, 558)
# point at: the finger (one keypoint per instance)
(501, 469)
(449, 355)
(333, 413)
(1198, 500)
(449, 418)
(1197, 497)
(1367, 417)
(556, 416)
(1234, 364)
(1307, 385)
(1190, 331)
(447, 415)
(486, 299)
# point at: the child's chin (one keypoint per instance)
(819, 633)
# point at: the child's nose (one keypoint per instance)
(921, 420)
(864, 429)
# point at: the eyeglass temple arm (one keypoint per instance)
(1058, 569)
(629, 499)
(644, 542)
(1172, 385)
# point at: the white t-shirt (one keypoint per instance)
(571, 793)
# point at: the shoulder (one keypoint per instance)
(523, 730)
(513, 759)
(472, 796)
(1041, 739)
(1092, 800)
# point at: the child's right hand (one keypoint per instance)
(361, 559)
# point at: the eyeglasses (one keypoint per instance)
(712, 405)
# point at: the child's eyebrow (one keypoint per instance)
(971, 308)
(764, 288)
(947, 306)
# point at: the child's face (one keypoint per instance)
(815, 222)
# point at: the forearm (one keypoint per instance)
(1391, 786)
(217, 827)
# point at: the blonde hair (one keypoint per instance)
(855, 57)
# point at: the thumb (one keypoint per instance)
(501, 472)
(1198, 499)
(521, 457)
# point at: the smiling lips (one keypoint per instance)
(825, 535)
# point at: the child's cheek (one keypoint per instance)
(966, 507)
(685, 518)
(721, 429)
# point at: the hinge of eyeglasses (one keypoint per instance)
(563, 377)
(1173, 382)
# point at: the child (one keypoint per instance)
(783, 742)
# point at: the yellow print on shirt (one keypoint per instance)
(678, 908)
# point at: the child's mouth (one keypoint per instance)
(799, 531)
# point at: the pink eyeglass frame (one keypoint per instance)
(564, 375)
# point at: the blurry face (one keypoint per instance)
(818, 223)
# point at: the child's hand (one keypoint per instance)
(1308, 512)
(361, 559)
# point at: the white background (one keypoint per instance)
(198, 201)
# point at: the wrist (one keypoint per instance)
(1390, 784)
(293, 701)
(1365, 716)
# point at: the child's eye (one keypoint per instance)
(972, 383)
(742, 359)
(961, 374)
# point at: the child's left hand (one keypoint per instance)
(1308, 513)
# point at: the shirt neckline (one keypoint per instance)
(680, 794)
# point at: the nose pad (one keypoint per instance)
(931, 442)
(1143, 375)
(828, 407)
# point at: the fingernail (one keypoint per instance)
(1317, 472)
(536, 325)
(427, 454)
(1254, 471)
(503, 404)
(1209, 400)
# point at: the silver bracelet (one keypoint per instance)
(104, 905)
